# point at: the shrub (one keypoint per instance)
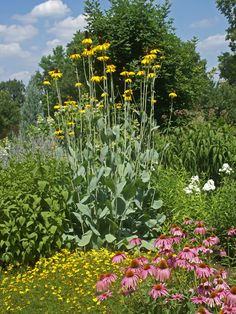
(32, 208)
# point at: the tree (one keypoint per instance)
(227, 67)
(9, 114)
(16, 90)
(228, 8)
(32, 106)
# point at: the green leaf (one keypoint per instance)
(21, 220)
(53, 229)
(157, 204)
(104, 212)
(110, 238)
(85, 238)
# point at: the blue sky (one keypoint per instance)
(30, 29)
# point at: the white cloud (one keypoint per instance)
(13, 50)
(65, 29)
(213, 42)
(49, 8)
(53, 43)
(17, 33)
(21, 76)
(204, 23)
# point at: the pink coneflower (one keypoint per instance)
(158, 290)
(223, 253)
(176, 231)
(142, 260)
(188, 221)
(130, 280)
(228, 310)
(232, 231)
(104, 296)
(177, 297)
(165, 250)
(187, 253)
(148, 270)
(220, 283)
(200, 229)
(157, 259)
(231, 297)
(222, 273)
(180, 263)
(203, 310)
(118, 257)
(135, 265)
(205, 288)
(135, 241)
(213, 299)
(105, 281)
(163, 240)
(203, 270)
(213, 240)
(198, 300)
(163, 271)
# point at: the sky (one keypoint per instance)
(30, 29)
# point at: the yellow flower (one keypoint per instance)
(128, 80)
(172, 95)
(75, 56)
(70, 102)
(151, 75)
(153, 101)
(155, 51)
(71, 133)
(46, 82)
(103, 58)
(128, 95)
(102, 47)
(82, 111)
(55, 74)
(71, 123)
(58, 132)
(87, 106)
(100, 106)
(140, 73)
(104, 94)
(127, 73)
(118, 105)
(156, 67)
(148, 58)
(88, 52)
(98, 79)
(57, 107)
(110, 68)
(87, 41)
(78, 84)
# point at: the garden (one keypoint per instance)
(118, 189)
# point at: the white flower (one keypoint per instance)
(188, 190)
(195, 179)
(209, 186)
(226, 169)
(193, 186)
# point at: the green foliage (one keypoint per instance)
(135, 27)
(227, 67)
(32, 209)
(228, 8)
(32, 106)
(9, 114)
(199, 147)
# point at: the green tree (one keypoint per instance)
(228, 9)
(9, 114)
(16, 90)
(133, 28)
(32, 106)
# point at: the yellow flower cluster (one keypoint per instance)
(55, 74)
(64, 283)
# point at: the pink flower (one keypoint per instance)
(176, 231)
(158, 290)
(213, 299)
(231, 297)
(200, 229)
(188, 221)
(135, 241)
(118, 257)
(142, 260)
(213, 240)
(157, 259)
(198, 300)
(232, 231)
(104, 296)
(130, 280)
(163, 240)
(203, 270)
(187, 253)
(228, 310)
(177, 297)
(223, 253)
(163, 271)
(148, 270)
(105, 281)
